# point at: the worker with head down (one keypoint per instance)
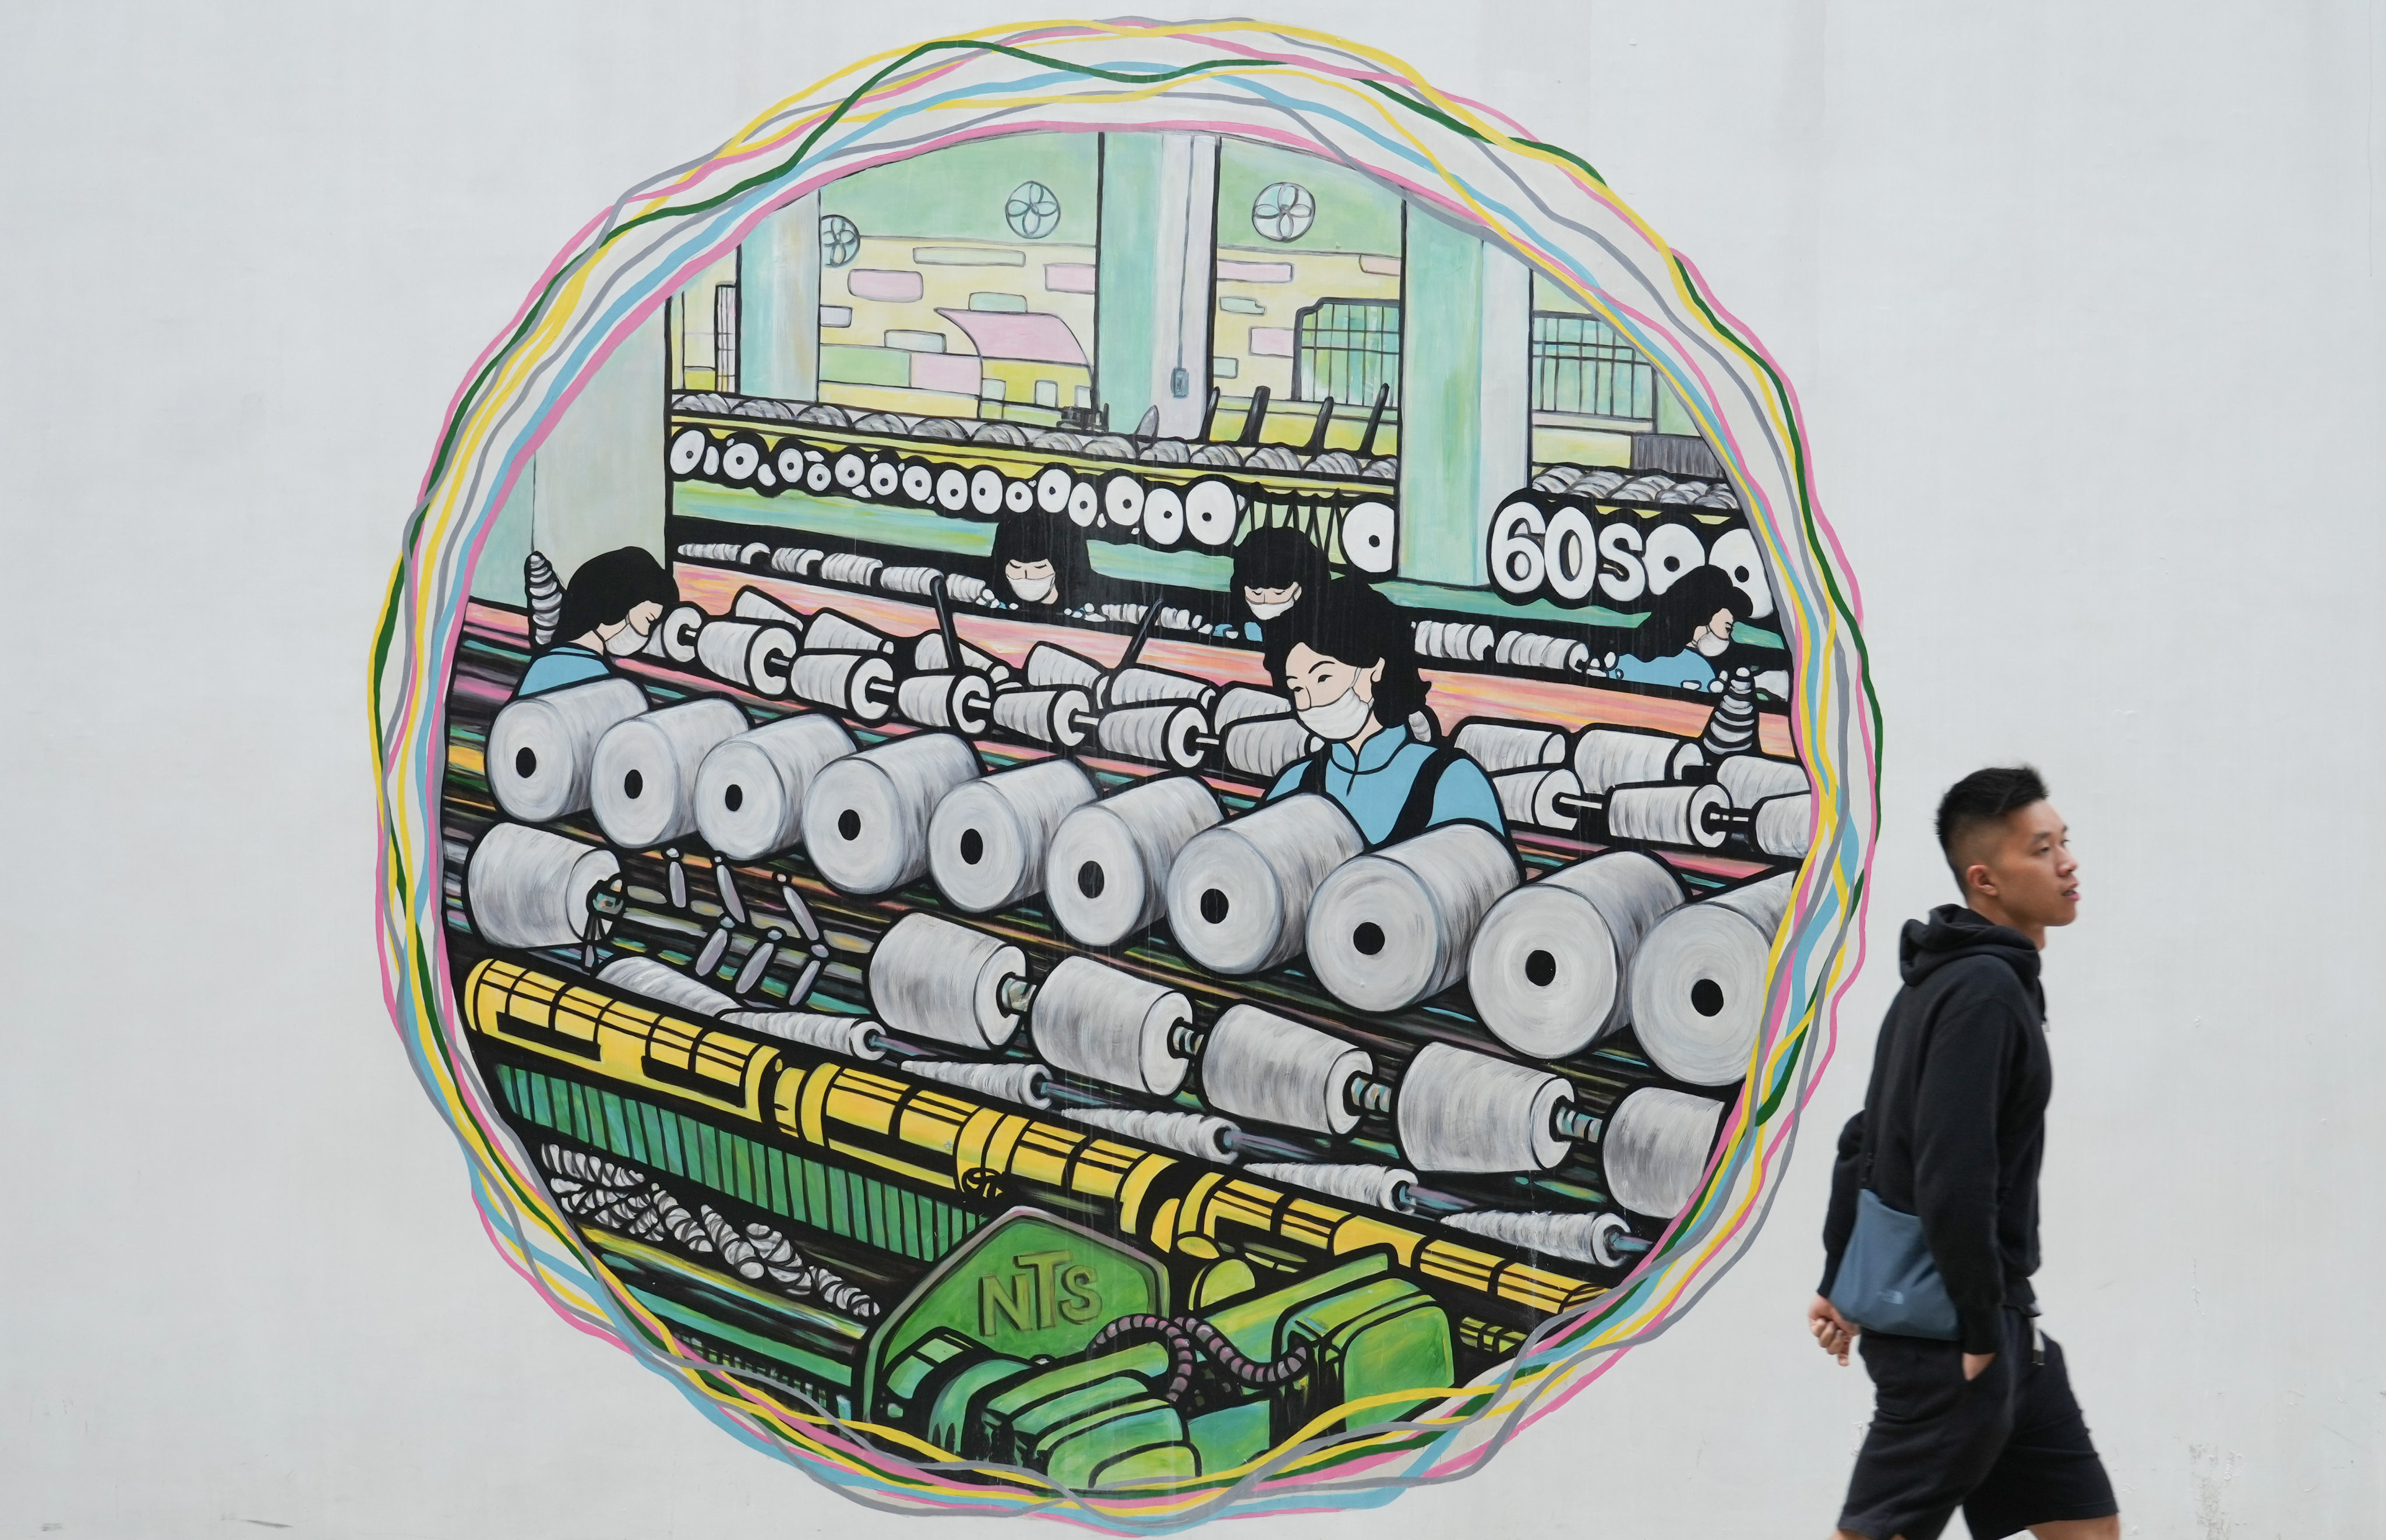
(611, 606)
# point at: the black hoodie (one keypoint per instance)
(1957, 1106)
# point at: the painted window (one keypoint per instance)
(1582, 366)
(1348, 349)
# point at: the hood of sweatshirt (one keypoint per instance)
(1951, 931)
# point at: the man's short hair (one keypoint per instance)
(1984, 797)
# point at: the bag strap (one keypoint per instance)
(1313, 777)
(1416, 812)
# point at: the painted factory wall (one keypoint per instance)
(2016, 263)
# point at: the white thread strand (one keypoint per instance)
(656, 981)
(1193, 1134)
(1092, 1020)
(1698, 986)
(1238, 895)
(932, 979)
(1262, 1066)
(749, 791)
(1456, 1110)
(1106, 870)
(1551, 962)
(541, 747)
(987, 838)
(1576, 1237)
(642, 782)
(1391, 927)
(866, 815)
(530, 888)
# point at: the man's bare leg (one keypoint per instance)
(2106, 1528)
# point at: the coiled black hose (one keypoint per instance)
(1185, 1334)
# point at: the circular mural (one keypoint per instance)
(1142, 911)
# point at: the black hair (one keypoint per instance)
(1351, 622)
(1036, 535)
(1985, 796)
(1275, 556)
(1683, 608)
(606, 588)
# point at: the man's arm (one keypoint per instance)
(1840, 1219)
(1955, 1166)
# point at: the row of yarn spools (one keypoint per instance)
(1633, 784)
(1553, 965)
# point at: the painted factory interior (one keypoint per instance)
(951, 1001)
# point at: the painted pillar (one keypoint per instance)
(497, 577)
(1151, 287)
(1466, 330)
(600, 484)
(778, 300)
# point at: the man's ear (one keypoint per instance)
(1978, 879)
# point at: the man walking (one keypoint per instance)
(1951, 1131)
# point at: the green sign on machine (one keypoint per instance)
(1028, 1287)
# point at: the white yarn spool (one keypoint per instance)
(866, 815)
(850, 568)
(752, 653)
(1106, 871)
(1262, 747)
(530, 888)
(854, 1036)
(1529, 649)
(1092, 1020)
(749, 791)
(1698, 985)
(642, 780)
(1461, 640)
(1610, 757)
(1058, 717)
(1669, 815)
(1511, 745)
(1193, 1134)
(752, 604)
(1262, 1066)
(928, 657)
(1028, 1084)
(1242, 703)
(932, 979)
(963, 702)
(1050, 667)
(831, 631)
(1391, 927)
(1156, 735)
(1784, 826)
(1140, 686)
(541, 747)
(646, 976)
(1382, 1186)
(987, 839)
(1551, 961)
(1576, 1237)
(1532, 797)
(860, 685)
(678, 632)
(919, 581)
(1654, 1150)
(1238, 895)
(1456, 1110)
(798, 560)
(1749, 779)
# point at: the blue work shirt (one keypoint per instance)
(558, 667)
(1687, 670)
(1373, 784)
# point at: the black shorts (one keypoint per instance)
(2009, 1448)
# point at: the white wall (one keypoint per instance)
(2083, 309)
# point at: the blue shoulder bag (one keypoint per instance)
(1888, 1281)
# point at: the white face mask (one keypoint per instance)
(1338, 720)
(624, 641)
(1268, 611)
(1708, 644)
(1033, 590)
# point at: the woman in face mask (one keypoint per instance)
(1040, 564)
(1274, 568)
(610, 609)
(1689, 627)
(1347, 658)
